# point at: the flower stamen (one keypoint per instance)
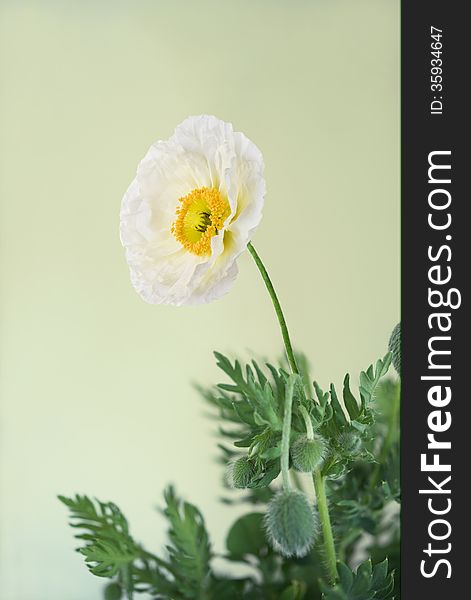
(200, 216)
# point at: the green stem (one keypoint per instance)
(307, 421)
(126, 580)
(388, 440)
(329, 546)
(145, 555)
(276, 303)
(319, 481)
(286, 433)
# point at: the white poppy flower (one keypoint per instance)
(190, 212)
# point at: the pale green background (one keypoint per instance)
(95, 383)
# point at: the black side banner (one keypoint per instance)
(436, 236)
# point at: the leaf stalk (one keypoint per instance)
(286, 433)
(328, 538)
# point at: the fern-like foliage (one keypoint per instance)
(361, 471)
(190, 549)
(253, 405)
(367, 583)
(109, 547)
(110, 551)
(369, 491)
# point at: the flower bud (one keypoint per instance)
(241, 472)
(307, 455)
(349, 442)
(395, 347)
(291, 523)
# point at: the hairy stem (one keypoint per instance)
(276, 303)
(307, 422)
(319, 480)
(328, 538)
(285, 435)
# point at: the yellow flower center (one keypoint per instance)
(200, 215)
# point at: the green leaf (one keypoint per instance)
(271, 471)
(244, 443)
(351, 404)
(380, 573)
(272, 453)
(190, 550)
(362, 581)
(338, 410)
(322, 397)
(369, 380)
(110, 551)
(109, 547)
(253, 403)
(366, 584)
(246, 536)
(257, 404)
(345, 576)
(105, 559)
(261, 376)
